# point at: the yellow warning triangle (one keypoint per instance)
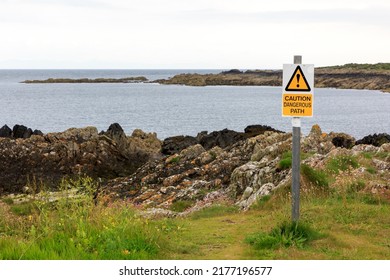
(298, 81)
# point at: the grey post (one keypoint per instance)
(296, 160)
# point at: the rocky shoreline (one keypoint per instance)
(327, 77)
(349, 76)
(153, 175)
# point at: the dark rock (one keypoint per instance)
(343, 142)
(5, 131)
(233, 71)
(222, 138)
(257, 129)
(175, 144)
(375, 139)
(27, 133)
(37, 132)
(18, 131)
(116, 133)
(201, 134)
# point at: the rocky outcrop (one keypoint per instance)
(342, 140)
(375, 139)
(195, 174)
(44, 160)
(239, 173)
(18, 131)
(5, 131)
(222, 138)
(350, 76)
(175, 144)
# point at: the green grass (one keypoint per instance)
(23, 209)
(341, 163)
(338, 224)
(284, 235)
(8, 200)
(76, 228)
(181, 205)
(260, 202)
(317, 177)
(286, 161)
(362, 66)
(214, 211)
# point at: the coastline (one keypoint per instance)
(349, 76)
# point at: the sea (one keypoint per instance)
(172, 110)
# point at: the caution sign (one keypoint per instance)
(298, 81)
(297, 105)
(298, 84)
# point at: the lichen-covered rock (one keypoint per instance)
(317, 141)
(46, 159)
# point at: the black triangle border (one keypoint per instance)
(292, 77)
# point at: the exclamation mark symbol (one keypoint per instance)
(298, 77)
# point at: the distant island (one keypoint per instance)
(348, 76)
(86, 80)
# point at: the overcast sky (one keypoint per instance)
(215, 34)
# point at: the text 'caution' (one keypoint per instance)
(297, 105)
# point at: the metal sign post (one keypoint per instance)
(297, 101)
(296, 160)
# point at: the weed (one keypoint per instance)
(317, 177)
(23, 209)
(181, 205)
(8, 200)
(286, 161)
(371, 170)
(356, 187)
(285, 235)
(367, 155)
(260, 202)
(213, 155)
(214, 210)
(341, 163)
(175, 160)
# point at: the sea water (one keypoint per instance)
(175, 109)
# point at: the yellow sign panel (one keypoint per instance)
(298, 81)
(297, 105)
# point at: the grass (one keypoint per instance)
(344, 223)
(181, 205)
(214, 211)
(284, 235)
(317, 177)
(76, 228)
(341, 163)
(286, 160)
